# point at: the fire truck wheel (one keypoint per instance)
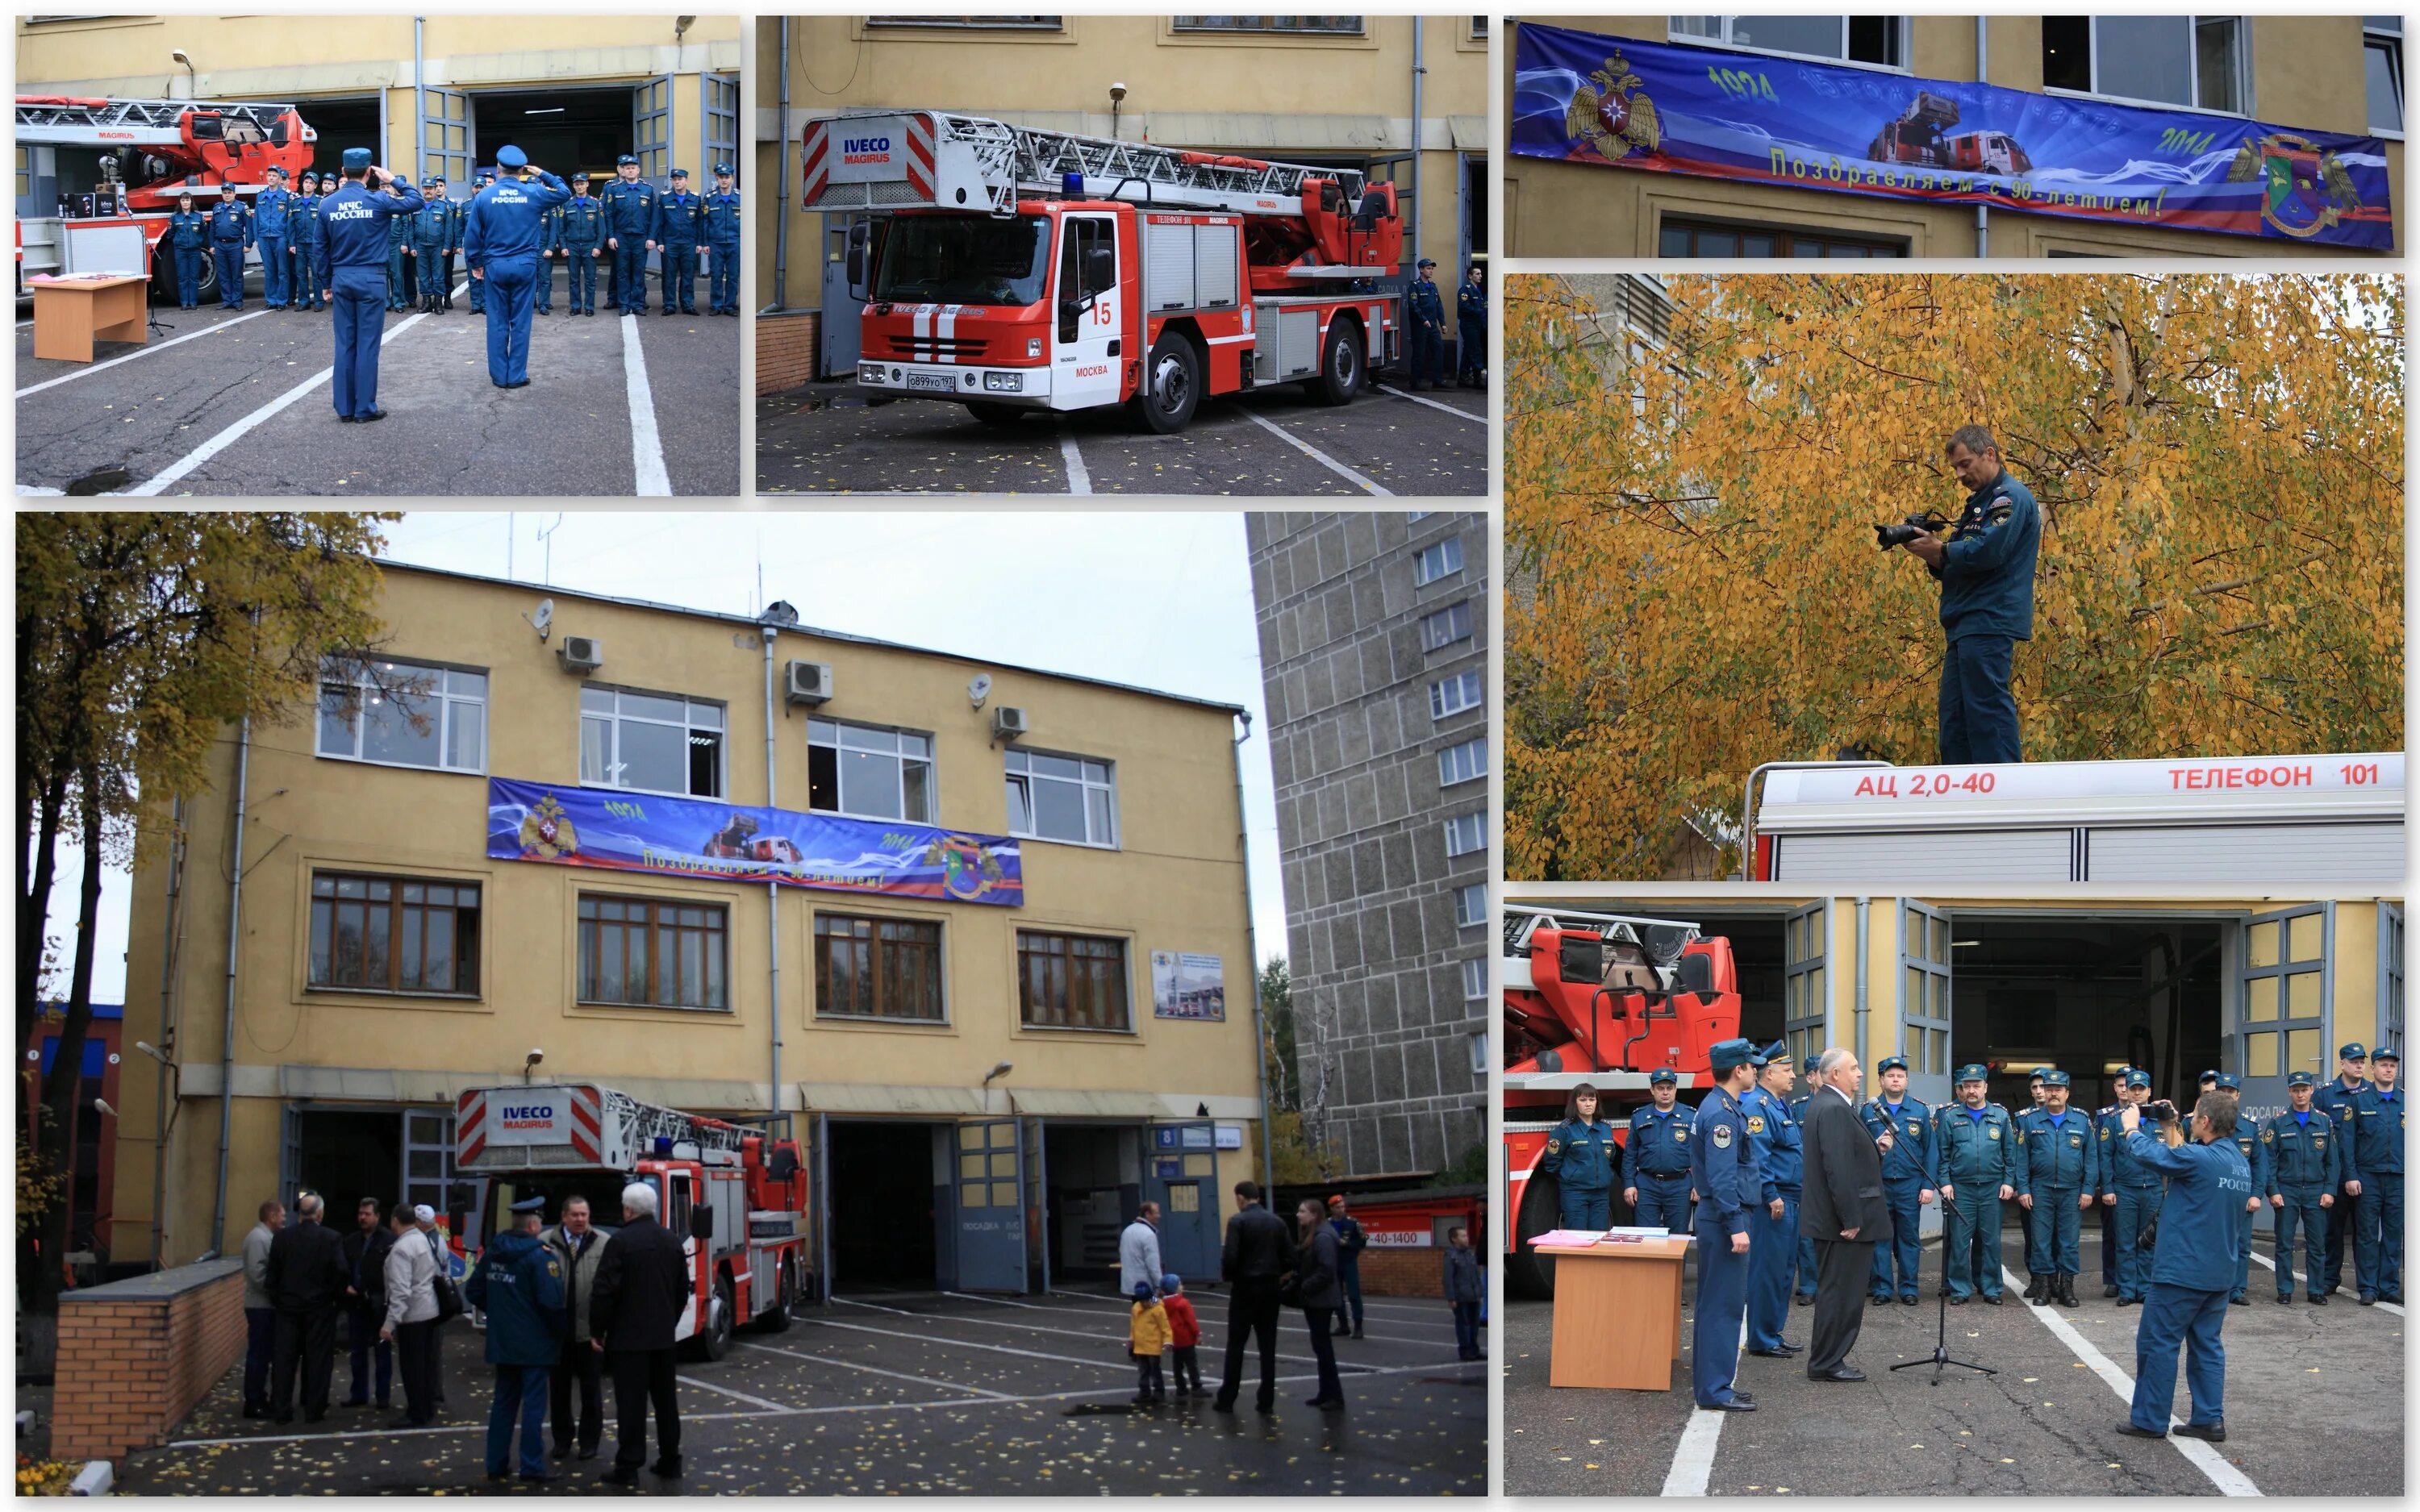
(994, 414)
(776, 1318)
(1171, 385)
(714, 1341)
(1528, 1275)
(1340, 369)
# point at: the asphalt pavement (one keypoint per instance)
(238, 403)
(919, 1393)
(829, 438)
(2314, 1406)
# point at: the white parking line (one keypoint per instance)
(1040, 1328)
(872, 1370)
(646, 446)
(1080, 479)
(1314, 453)
(1692, 1458)
(2395, 1308)
(172, 340)
(1095, 1312)
(725, 1391)
(1431, 403)
(1376, 1304)
(2205, 1457)
(968, 1344)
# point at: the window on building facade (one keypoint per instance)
(1474, 980)
(404, 714)
(645, 952)
(1311, 25)
(650, 742)
(1465, 833)
(1879, 41)
(1478, 1053)
(1680, 238)
(1466, 762)
(869, 772)
(1455, 694)
(1446, 626)
(2381, 44)
(1470, 905)
(1071, 981)
(1029, 23)
(1479, 28)
(1439, 558)
(1068, 798)
(394, 934)
(2196, 61)
(878, 969)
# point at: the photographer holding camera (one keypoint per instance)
(1986, 572)
(2193, 1268)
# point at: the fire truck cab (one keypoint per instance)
(1013, 271)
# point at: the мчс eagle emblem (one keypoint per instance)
(1613, 115)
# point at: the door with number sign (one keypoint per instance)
(1091, 312)
(1183, 1178)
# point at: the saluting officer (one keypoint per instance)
(1723, 1170)
(581, 235)
(1805, 1282)
(402, 268)
(2058, 1172)
(270, 211)
(1655, 1157)
(1908, 1180)
(2256, 1160)
(2335, 1100)
(432, 237)
(189, 232)
(352, 246)
(302, 221)
(1426, 308)
(629, 228)
(500, 240)
(723, 221)
(2132, 1190)
(1581, 1156)
(2306, 1165)
(1976, 1144)
(1986, 572)
(680, 238)
(2377, 1176)
(230, 234)
(1773, 1243)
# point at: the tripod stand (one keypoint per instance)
(1940, 1358)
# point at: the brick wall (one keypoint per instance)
(135, 1356)
(1403, 1273)
(785, 350)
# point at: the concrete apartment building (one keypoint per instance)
(2301, 72)
(1328, 91)
(1028, 1013)
(1374, 631)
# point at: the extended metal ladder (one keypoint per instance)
(138, 123)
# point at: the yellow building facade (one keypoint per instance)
(2302, 72)
(386, 960)
(432, 95)
(1330, 91)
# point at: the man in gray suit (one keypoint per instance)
(1842, 1211)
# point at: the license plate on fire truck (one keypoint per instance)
(929, 383)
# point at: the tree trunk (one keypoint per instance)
(65, 1079)
(34, 903)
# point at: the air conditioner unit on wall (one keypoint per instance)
(807, 682)
(580, 652)
(1007, 724)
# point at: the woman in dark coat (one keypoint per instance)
(1317, 1293)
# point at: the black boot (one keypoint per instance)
(2066, 1292)
(2039, 1294)
(2033, 1285)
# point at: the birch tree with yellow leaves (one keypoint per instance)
(1694, 585)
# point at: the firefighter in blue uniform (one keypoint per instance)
(1580, 1155)
(2104, 1124)
(2130, 1190)
(724, 219)
(629, 228)
(1773, 1224)
(1908, 1180)
(1470, 329)
(402, 269)
(2037, 1269)
(2247, 1144)
(188, 233)
(480, 183)
(550, 246)
(1806, 1283)
(581, 235)
(520, 1287)
(1655, 1157)
(432, 233)
(230, 234)
(500, 241)
(1723, 1171)
(271, 209)
(1974, 1145)
(2208, 1183)
(1986, 572)
(2378, 1170)
(301, 218)
(680, 237)
(2305, 1159)
(2058, 1174)
(2336, 1101)
(352, 244)
(1426, 310)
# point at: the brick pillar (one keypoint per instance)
(786, 349)
(135, 1356)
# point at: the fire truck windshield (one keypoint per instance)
(963, 259)
(603, 1190)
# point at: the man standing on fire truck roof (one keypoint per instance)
(1986, 572)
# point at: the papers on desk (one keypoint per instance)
(1583, 1238)
(1572, 1238)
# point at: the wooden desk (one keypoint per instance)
(1616, 1314)
(71, 314)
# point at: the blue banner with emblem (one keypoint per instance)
(1616, 101)
(694, 838)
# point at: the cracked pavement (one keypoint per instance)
(449, 432)
(2315, 1407)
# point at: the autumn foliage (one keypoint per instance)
(1694, 586)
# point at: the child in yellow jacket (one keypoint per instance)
(1147, 1337)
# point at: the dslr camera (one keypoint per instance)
(2163, 1110)
(1887, 536)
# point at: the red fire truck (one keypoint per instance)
(148, 150)
(734, 1195)
(1011, 269)
(1605, 999)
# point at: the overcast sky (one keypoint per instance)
(1159, 599)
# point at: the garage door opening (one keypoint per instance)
(348, 1155)
(1094, 1191)
(883, 1204)
(352, 122)
(562, 131)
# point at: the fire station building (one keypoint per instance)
(1401, 99)
(1744, 86)
(980, 932)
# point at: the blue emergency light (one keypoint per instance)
(1072, 185)
(663, 1143)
